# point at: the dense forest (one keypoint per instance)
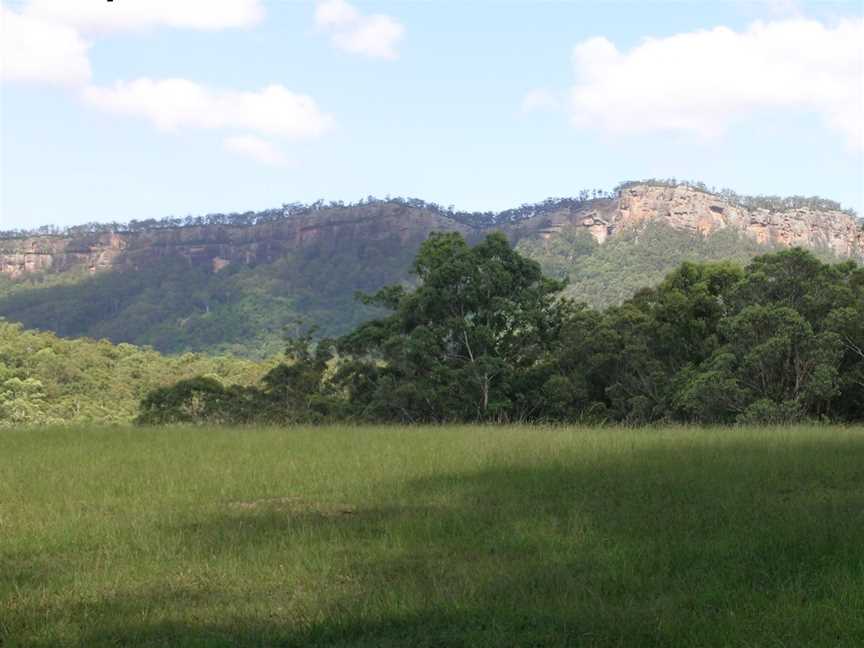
(243, 309)
(608, 274)
(486, 336)
(483, 335)
(45, 379)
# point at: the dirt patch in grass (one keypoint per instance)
(294, 505)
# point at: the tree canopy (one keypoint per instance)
(46, 379)
(485, 336)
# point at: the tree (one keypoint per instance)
(847, 321)
(454, 348)
(200, 400)
(787, 345)
(485, 336)
(23, 401)
(295, 391)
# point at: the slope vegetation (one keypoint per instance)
(231, 283)
(45, 379)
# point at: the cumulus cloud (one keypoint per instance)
(702, 82)
(375, 36)
(89, 16)
(46, 40)
(540, 99)
(174, 104)
(43, 42)
(335, 13)
(256, 149)
(38, 51)
(783, 7)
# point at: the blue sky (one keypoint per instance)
(480, 104)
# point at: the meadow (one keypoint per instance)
(432, 536)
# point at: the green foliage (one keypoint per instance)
(200, 400)
(607, 275)
(180, 305)
(46, 379)
(176, 308)
(293, 391)
(779, 340)
(460, 346)
(771, 348)
(486, 337)
(23, 401)
(296, 391)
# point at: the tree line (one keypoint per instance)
(477, 219)
(45, 379)
(486, 337)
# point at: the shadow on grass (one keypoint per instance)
(728, 545)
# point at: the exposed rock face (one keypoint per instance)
(22, 256)
(326, 231)
(688, 209)
(218, 246)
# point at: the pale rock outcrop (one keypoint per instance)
(328, 230)
(702, 214)
(695, 211)
(217, 246)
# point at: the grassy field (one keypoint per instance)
(457, 536)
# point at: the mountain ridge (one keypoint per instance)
(234, 287)
(682, 207)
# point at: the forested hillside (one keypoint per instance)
(231, 283)
(608, 274)
(45, 379)
(241, 310)
(485, 336)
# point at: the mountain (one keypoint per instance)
(232, 283)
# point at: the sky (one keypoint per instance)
(135, 109)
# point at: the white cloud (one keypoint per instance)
(173, 104)
(783, 7)
(540, 99)
(335, 13)
(37, 51)
(703, 81)
(44, 42)
(375, 36)
(256, 149)
(97, 16)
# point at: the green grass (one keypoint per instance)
(456, 536)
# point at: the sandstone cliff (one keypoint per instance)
(327, 231)
(700, 213)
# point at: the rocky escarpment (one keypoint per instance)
(326, 233)
(701, 213)
(38, 254)
(380, 227)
